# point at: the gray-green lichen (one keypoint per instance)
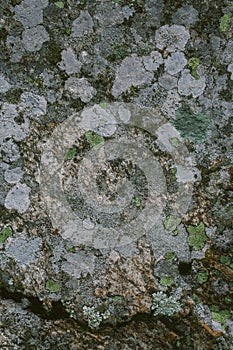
(194, 127)
(197, 237)
(5, 233)
(164, 305)
(95, 317)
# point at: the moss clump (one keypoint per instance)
(194, 127)
(197, 237)
(59, 4)
(220, 316)
(225, 22)
(94, 139)
(5, 233)
(53, 286)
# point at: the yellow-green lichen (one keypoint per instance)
(170, 255)
(5, 233)
(174, 141)
(197, 237)
(171, 222)
(220, 315)
(193, 63)
(137, 202)
(59, 4)
(70, 154)
(202, 276)
(53, 286)
(95, 140)
(224, 23)
(167, 281)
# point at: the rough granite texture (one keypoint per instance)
(116, 174)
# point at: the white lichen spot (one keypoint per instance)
(131, 72)
(34, 38)
(30, 12)
(13, 175)
(175, 63)
(188, 85)
(69, 62)
(4, 85)
(18, 198)
(80, 88)
(172, 38)
(83, 25)
(153, 61)
(24, 250)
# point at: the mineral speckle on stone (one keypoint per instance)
(230, 69)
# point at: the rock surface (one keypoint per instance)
(116, 175)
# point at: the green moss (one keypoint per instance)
(94, 139)
(70, 154)
(202, 276)
(117, 297)
(167, 281)
(224, 23)
(103, 104)
(5, 233)
(59, 4)
(53, 286)
(137, 202)
(228, 300)
(195, 127)
(171, 222)
(221, 316)
(172, 173)
(193, 63)
(170, 256)
(197, 237)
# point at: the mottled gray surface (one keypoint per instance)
(116, 174)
